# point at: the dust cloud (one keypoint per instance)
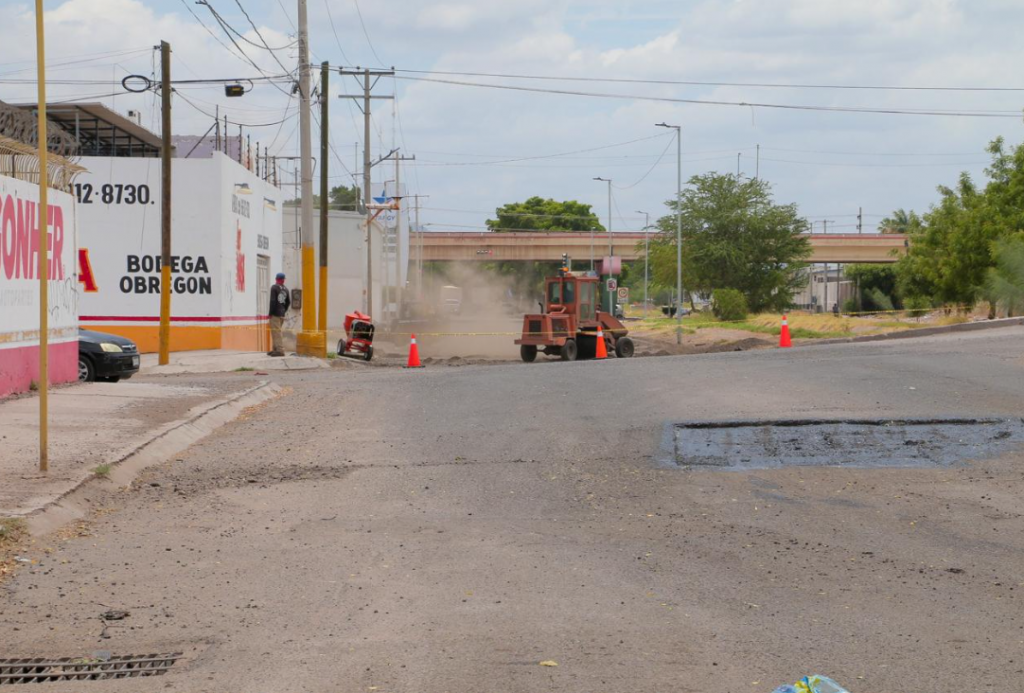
(478, 319)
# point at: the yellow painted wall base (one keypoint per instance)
(311, 344)
(191, 337)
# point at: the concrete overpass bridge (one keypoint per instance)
(444, 246)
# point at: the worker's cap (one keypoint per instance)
(280, 275)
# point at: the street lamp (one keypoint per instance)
(679, 228)
(611, 299)
(647, 226)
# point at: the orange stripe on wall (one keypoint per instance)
(192, 337)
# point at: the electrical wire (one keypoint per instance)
(708, 102)
(235, 122)
(366, 33)
(330, 17)
(228, 31)
(263, 40)
(759, 85)
(545, 156)
(653, 166)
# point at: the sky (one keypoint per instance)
(477, 147)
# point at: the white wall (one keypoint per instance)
(346, 264)
(214, 201)
(19, 285)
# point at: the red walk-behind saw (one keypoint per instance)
(358, 340)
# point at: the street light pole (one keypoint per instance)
(647, 228)
(611, 299)
(679, 228)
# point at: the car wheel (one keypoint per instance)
(369, 353)
(86, 371)
(341, 347)
(569, 350)
(624, 347)
(528, 352)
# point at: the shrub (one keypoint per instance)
(917, 306)
(876, 299)
(729, 304)
(850, 305)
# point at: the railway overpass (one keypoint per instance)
(445, 246)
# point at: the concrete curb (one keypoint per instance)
(158, 446)
(921, 332)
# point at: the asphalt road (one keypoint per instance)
(448, 529)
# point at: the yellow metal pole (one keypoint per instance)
(44, 255)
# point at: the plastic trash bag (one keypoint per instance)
(812, 684)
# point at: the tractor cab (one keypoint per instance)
(567, 327)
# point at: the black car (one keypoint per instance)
(106, 357)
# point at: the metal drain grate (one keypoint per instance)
(846, 442)
(43, 670)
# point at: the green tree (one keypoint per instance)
(1004, 284)
(734, 237)
(901, 221)
(538, 214)
(951, 254)
(877, 286)
(342, 197)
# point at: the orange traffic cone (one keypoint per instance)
(414, 355)
(784, 340)
(600, 350)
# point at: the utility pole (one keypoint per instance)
(679, 225)
(165, 204)
(310, 342)
(757, 164)
(860, 220)
(324, 206)
(397, 158)
(44, 299)
(419, 248)
(738, 156)
(647, 228)
(611, 298)
(367, 85)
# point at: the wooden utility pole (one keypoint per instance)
(44, 299)
(165, 203)
(324, 198)
(367, 85)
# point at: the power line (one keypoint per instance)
(234, 122)
(759, 85)
(544, 156)
(706, 102)
(228, 31)
(263, 40)
(643, 177)
(366, 33)
(327, 6)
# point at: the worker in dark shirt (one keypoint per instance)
(280, 301)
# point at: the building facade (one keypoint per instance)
(226, 247)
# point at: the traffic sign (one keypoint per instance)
(613, 284)
(624, 294)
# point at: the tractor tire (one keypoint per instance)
(368, 354)
(341, 347)
(586, 347)
(528, 352)
(569, 350)
(624, 347)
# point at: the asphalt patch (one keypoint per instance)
(857, 443)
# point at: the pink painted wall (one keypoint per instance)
(20, 366)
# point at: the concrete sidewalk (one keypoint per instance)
(223, 361)
(96, 424)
